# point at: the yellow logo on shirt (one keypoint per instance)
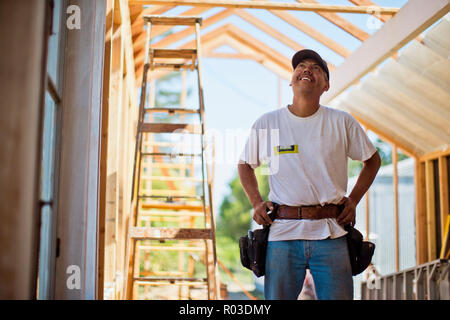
(286, 149)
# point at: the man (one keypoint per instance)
(308, 179)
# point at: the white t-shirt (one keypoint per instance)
(307, 164)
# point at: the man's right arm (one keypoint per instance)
(250, 185)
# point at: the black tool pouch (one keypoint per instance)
(253, 248)
(359, 251)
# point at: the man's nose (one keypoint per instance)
(307, 70)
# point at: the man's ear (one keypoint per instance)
(327, 86)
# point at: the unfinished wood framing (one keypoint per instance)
(414, 17)
(431, 209)
(443, 196)
(396, 211)
(421, 213)
(269, 5)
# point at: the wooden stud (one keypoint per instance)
(443, 195)
(435, 154)
(431, 208)
(421, 212)
(396, 219)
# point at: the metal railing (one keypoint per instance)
(429, 281)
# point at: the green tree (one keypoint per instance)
(235, 209)
(385, 151)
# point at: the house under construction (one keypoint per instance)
(106, 195)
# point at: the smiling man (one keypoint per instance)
(309, 184)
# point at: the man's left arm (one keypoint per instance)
(365, 179)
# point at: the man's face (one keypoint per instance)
(309, 77)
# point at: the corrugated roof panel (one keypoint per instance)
(427, 63)
(381, 91)
(437, 39)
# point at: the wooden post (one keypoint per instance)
(443, 195)
(396, 224)
(421, 229)
(431, 208)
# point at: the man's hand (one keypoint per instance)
(347, 215)
(260, 213)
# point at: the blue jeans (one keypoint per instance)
(328, 261)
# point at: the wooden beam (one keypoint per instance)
(436, 154)
(443, 195)
(421, 212)
(341, 22)
(137, 25)
(249, 45)
(129, 57)
(172, 38)
(258, 46)
(313, 33)
(396, 222)
(268, 5)
(226, 55)
(374, 7)
(431, 210)
(413, 18)
(269, 30)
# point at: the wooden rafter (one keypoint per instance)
(313, 33)
(341, 22)
(269, 5)
(268, 29)
(246, 45)
(377, 14)
(138, 22)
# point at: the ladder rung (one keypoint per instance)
(170, 127)
(146, 216)
(148, 154)
(169, 279)
(182, 166)
(150, 233)
(173, 53)
(173, 206)
(174, 66)
(172, 110)
(173, 21)
(165, 283)
(169, 197)
(163, 178)
(175, 248)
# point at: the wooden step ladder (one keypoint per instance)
(169, 206)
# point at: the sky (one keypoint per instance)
(237, 92)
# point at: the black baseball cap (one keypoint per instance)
(309, 54)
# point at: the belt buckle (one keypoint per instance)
(299, 213)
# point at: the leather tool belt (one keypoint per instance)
(309, 212)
